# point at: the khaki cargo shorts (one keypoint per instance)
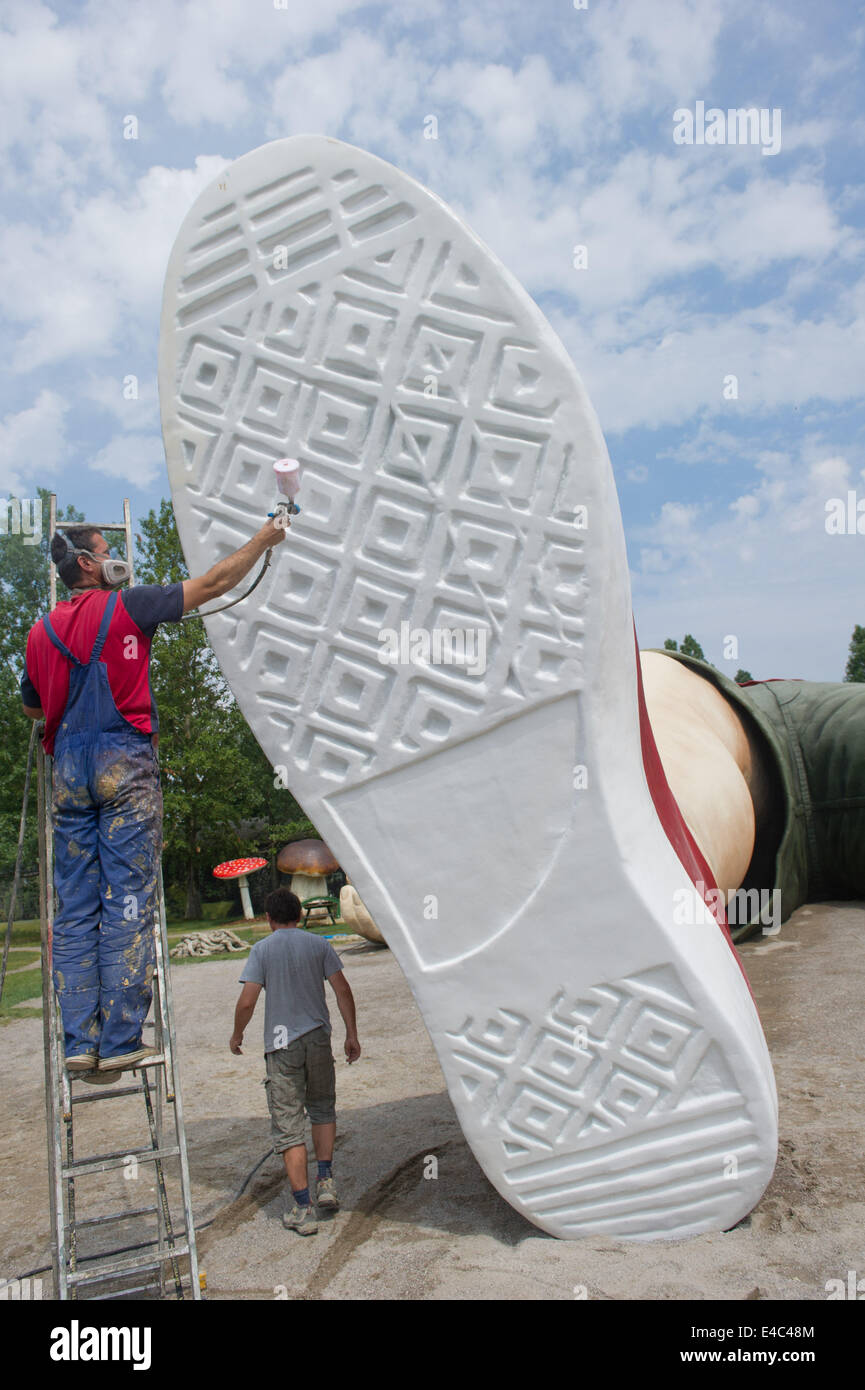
(300, 1077)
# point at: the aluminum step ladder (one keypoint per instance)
(162, 1259)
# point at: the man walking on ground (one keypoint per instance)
(87, 675)
(292, 965)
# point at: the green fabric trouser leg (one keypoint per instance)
(813, 846)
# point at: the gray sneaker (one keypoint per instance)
(300, 1219)
(325, 1195)
(140, 1056)
(83, 1062)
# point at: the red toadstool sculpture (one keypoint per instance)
(239, 868)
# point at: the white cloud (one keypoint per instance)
(833, 474)
(707, 444)
(644, 54)
(518, 110)
(778, 358)
(638, 474)
(67, 85)
(555, 129)
(645, 217)
(317, 93)
(44, 100)
(773, 221)
(137, 458)
(654, 561)
(746, 507)
(77, 288)
(764, 570)
(677, 518)
(484, 29)
(32, 442)
(116, 396)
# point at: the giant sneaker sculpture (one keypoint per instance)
(442, 658)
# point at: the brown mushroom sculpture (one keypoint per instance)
(309, 862)
(239, 868)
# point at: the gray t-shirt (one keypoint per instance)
(292, 965)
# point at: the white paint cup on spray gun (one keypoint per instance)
(287, 474)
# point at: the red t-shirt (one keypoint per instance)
(126, 653)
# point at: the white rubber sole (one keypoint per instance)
(607, 1065)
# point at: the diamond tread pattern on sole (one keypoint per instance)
(310, 372)
(450, 511)
(617, 1113)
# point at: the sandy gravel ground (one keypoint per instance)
(403, 1235)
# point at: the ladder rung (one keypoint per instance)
(152, 1287)
(107, 1094)
(113, 1216)
(150, 1245)
(103, 526)
(159, 1061)
(101, 1163)
(132, 1262)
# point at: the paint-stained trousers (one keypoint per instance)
(107, 845)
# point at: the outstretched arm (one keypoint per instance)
(228, 572)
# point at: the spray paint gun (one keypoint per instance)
(287, 473)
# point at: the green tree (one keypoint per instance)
(690, 647)
(215, 776)
(24, 597)
(855, 670)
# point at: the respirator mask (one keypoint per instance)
(114, 572)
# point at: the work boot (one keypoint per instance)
(300, 1219)
(325, 1195)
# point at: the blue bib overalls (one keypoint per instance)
(107, 845)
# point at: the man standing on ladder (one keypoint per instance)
(87, 674)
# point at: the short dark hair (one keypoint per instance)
(67, 565)
(283, 905)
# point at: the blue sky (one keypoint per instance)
(555, 129)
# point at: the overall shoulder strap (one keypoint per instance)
(103, 627)
(61, 646)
